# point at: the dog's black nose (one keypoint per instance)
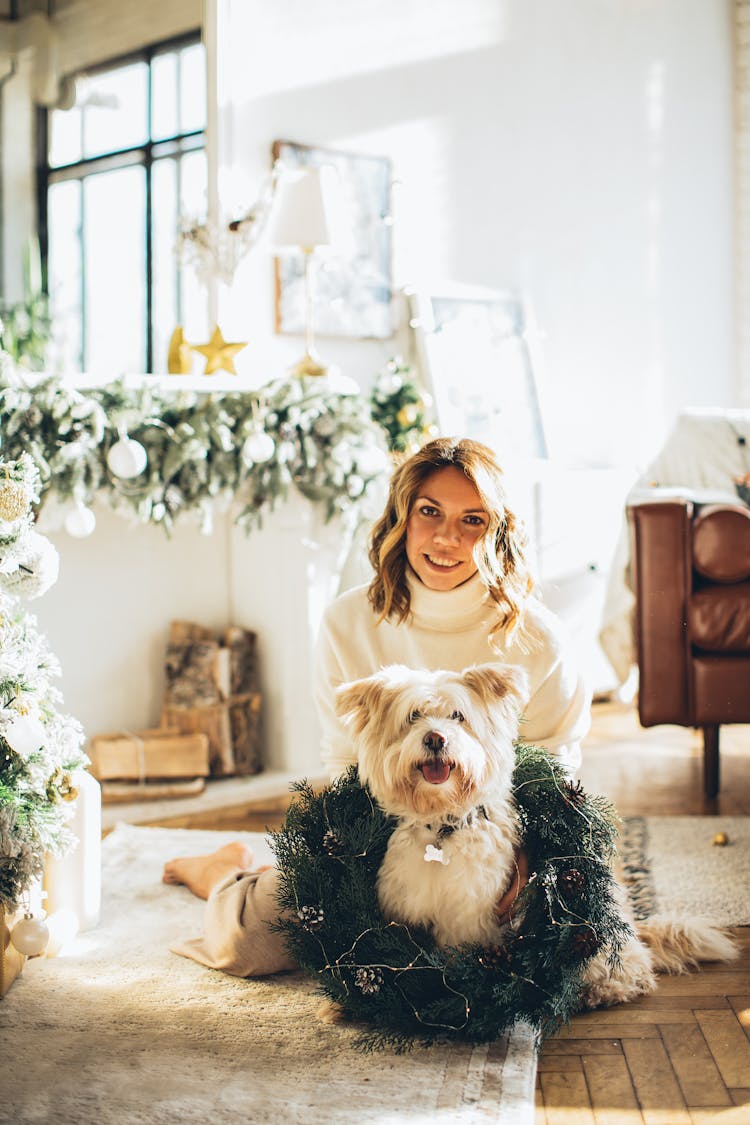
(434, 741)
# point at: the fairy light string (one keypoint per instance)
(392, 978)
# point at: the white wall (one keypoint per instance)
(579, 152)
(107, 617)
(17, 200)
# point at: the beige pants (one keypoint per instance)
(236, 935)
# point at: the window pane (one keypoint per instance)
(97, 222)
(115, 272)
(193, 183)
(65, 136)
(192, 88)
(164, 96)
(164, 225)
(115, 109)
(193, 298)
(178, 296)
(64, 274)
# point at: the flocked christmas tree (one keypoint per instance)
(40, 747)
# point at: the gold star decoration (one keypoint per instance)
(219, 353)
(179, 356)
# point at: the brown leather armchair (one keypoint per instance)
(691, 579)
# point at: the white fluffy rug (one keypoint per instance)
(119, 1031)
(671, 862)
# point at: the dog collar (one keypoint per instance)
(451, 824)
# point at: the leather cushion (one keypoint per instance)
(721, 543)
(721, 687)
(719, 618)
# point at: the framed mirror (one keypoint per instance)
(473, 347)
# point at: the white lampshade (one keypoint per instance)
(308, 211)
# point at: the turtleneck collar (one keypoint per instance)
(456, 610)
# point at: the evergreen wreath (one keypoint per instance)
(393, 976)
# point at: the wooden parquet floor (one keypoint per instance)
(682, 1055)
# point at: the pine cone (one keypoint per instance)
(495, 957)
(574, 792)
(368, 980)
(585, 943)
(571, 882)
(312, 917)
(333, 845)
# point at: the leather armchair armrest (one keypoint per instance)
(662, 577)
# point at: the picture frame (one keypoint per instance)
(353, 289)
(476, 357)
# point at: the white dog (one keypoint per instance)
(436, 751)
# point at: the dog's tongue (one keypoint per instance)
(436, 772)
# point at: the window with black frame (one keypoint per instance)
(123, 164)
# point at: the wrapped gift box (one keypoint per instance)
(11, 961)
(233, 730)
(202, 670)
(166, 752)
(211, 686)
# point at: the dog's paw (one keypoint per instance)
(330, 1012)
(632, 976)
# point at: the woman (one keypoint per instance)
(452, 588)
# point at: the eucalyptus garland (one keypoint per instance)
(393, 977)
(199, 446)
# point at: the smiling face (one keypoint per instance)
(446, 520)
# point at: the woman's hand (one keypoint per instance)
(505, 908)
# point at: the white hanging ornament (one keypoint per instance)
(258, 447)
(30, 936)
(25, 734)
(80, 521)
(127, 458)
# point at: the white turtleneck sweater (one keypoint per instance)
(450, 630)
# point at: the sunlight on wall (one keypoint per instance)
(421, 150)
(653, 416)
(428, 30)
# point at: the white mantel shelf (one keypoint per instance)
(223, 793)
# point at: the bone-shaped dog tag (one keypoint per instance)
(434, 855)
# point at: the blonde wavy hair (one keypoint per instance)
(500, 554)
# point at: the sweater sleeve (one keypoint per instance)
(558, 713)
(336, 749)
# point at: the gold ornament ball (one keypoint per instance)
(720, 840)
(14, 500)
(407, 415)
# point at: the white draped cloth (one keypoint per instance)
(702, 458)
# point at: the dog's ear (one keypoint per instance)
(361, 700)
(497, 682)
(358, 700)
